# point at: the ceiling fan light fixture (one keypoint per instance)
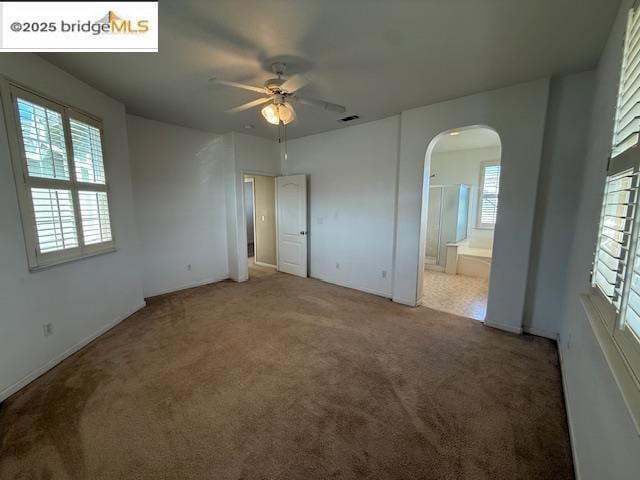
(276, 113)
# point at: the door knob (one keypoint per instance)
(303, 233)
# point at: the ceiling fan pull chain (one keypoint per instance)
(286, 154)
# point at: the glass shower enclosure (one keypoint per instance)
(447, 221)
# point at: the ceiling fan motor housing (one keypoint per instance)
(273, 84)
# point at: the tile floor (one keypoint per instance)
(458, 294)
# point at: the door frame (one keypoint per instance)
(243, 174)
(422, 244)
(251, 180)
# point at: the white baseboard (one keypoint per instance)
(567, 404)
(354, 287)
(30, 377)
(540, 332)
(187, 286)
(506, 328)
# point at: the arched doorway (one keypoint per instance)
(461, 190)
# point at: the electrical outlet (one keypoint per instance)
(48, 329)
(337, 265)
(384, 274)
(189, 267)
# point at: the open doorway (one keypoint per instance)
(462, 209)
(260, 217)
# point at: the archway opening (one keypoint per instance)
(460, 210)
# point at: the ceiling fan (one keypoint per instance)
(279, 92)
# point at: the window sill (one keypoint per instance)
(626, 381)
(63, 261)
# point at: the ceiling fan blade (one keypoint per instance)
(332, 107)
(239, 85)
(294, 83)
(249, 105)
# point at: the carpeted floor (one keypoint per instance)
(259, 271)
(289, 378)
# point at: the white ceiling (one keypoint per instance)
(377, 57)
(468, 139)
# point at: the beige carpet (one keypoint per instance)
(259, 271)
(289, 378)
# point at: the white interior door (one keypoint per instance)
(292, 224)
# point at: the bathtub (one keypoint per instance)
(465, 259)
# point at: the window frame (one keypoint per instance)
(483, 165)
(11, 91)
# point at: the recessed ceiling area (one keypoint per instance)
(467, 139)
(373, 57)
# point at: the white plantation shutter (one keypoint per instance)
(43, 141)
(54, 218)
(627, 124)
(47, 177)
(489, 191)
(616, 267)
(87, 152)
(60, 178)
(94, 211)
(89, 167)
(614, 240)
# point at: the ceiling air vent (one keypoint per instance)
(349, 118)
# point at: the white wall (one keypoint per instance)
(178, 185)
(517, 114)
(605, 442)
(244, 154)
(352, 192)
(83, 298)
(463, 166)
(561, 173)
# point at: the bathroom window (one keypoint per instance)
(488, 194)
(60, 178)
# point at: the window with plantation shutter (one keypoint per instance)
(615, 275)
(488, 194)
(60, 178)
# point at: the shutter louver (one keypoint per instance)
(627, 125)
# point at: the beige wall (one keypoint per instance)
(265, 215)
